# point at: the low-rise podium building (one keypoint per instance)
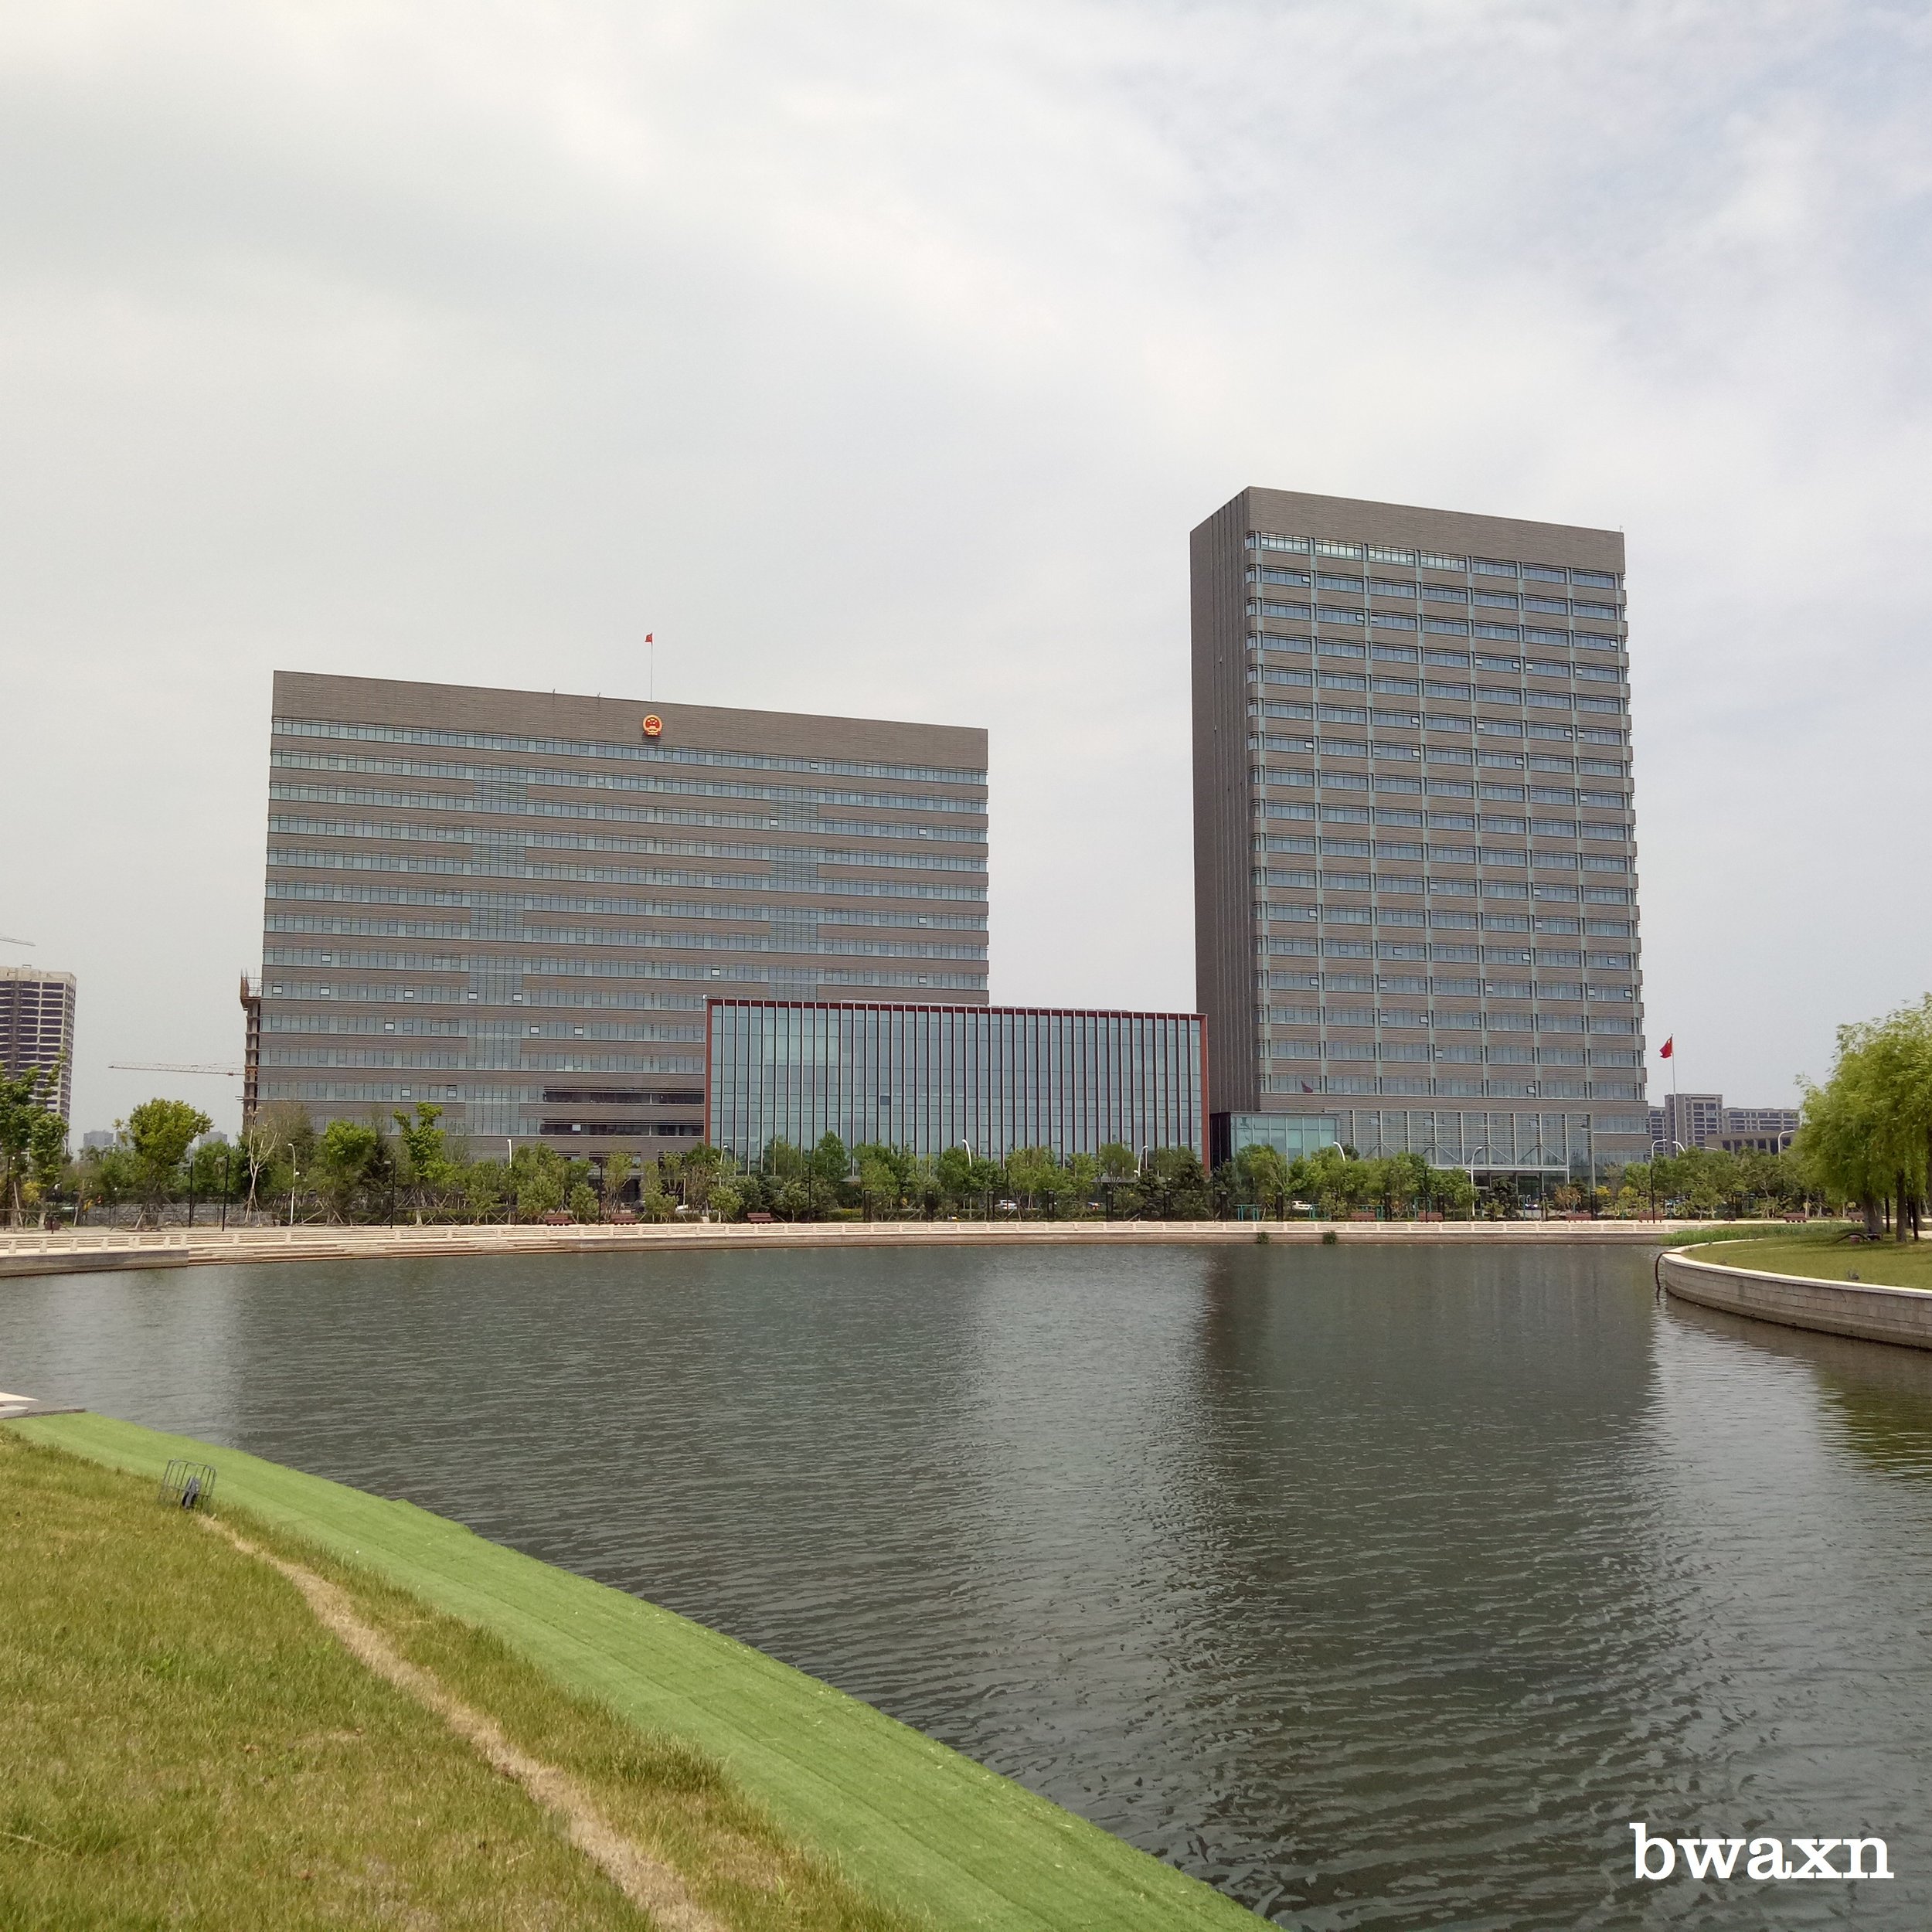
(991, 1079)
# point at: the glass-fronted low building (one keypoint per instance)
(992, 1079)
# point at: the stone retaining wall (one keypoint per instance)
(1863, 1309)
(91, 1251)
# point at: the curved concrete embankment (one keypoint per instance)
(1865, 1310)
(911, 1821)
(91, 1250)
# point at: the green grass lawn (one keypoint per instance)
(181, 1742)
(1825, 1253)
(782, 1801)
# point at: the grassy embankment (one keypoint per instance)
(1824, 1253)
(180, 1738)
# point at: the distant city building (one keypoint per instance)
(98, 1139)
(1758, 1130)
(37, 1024)
(515, 904)
(1703, 1120)
(1415, 860)
(991, 1079)
(1692, 1120)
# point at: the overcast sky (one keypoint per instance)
(880, 359)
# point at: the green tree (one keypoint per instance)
(927, 1190)
(1174, 1186)
(349, 1167)
(619, 1166)
(1119, 1180)
(1452, 1191)
(952, 1173)
(656, 1201)
(537, 1180)
(159, 1133)
(485, 1188)
(425, 1169)
(47, 1162)
(31, 1135)
(885, 1177)
(583, 1202)
(1031, 1173)
(1261, 1179)
(830, 1163)
(1079, 1176)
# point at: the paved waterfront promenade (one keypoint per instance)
(89, 1250)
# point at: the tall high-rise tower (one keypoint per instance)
(36, 1026)
(1415, 859)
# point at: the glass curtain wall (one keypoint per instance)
(991, 1079)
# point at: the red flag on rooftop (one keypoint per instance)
(1669, 1048)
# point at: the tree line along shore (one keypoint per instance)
(1865, 1143)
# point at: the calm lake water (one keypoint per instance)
(1381, 1589)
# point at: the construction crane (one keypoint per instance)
(170, 1067)
(6, 941)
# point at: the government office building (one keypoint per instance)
(990, 1078)
(1415, 855)
(516, 905)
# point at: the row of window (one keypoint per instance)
(487, 866)
(1386, 783)
(1490, 821)
(1402, 620)
(1426, 621)
(533, 1063)
(1479, 599)
(1514, 858)
(501, 978)
(1332, 713)
(513, 779)
(509, 971)
(490, 840)
(1342, 781)
(1421, 1088)
(1480, 566)
(1544, 892)
(659, 752)
(1473, 1053)
(1455, 821)
(1446, 986)
(1389, 650)
(504, 904)
(1329, 677)
(633, 937)
(1451, 952)
(385, 1091)
(507, 805)
(462, 1026)
(1441, 918)
(1448, 1020)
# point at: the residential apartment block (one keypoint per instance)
(36, 1025)
(1415, 844)
(516, 904)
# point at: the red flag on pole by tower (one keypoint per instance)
(1669, 1048)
